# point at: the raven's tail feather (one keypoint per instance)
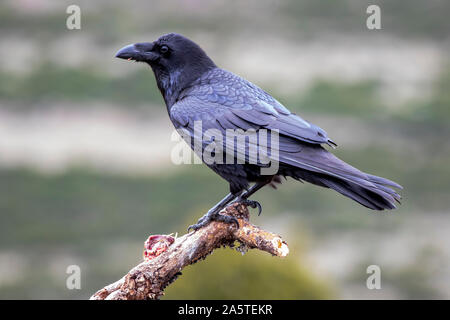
(324, 169)
(376, 197)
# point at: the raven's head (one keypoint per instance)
(175, 60)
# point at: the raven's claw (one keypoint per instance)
(251, 203)
(207, 218)
(200, 223)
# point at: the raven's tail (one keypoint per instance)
(324, 169)
(378, 197)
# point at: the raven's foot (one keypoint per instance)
(250, 203)
(215, 216)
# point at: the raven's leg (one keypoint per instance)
(214, 215)
(243, 198)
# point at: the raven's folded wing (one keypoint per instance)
(237, 102)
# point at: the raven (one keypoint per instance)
(195, 89)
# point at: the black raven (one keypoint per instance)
(195, 89)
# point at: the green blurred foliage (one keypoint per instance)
(344, 98)
(414, 279)
(256, 275)
(416, 18)
(49, 82)
(109, 20)
(436, 109)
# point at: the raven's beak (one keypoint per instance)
(137, 52)
(127, 52)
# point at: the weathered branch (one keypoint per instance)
(149, 279)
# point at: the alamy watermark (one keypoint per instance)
(231, 146)
(374, 280)
(373, 21)
(73, 281)
(73, 21)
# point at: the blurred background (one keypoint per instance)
(85, 170)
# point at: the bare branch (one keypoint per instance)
(149, 279)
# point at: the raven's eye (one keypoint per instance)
(164, 49)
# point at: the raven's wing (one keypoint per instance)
(249, 103)
(198, 114)
(221, 100)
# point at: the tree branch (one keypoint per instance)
(149, 279)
